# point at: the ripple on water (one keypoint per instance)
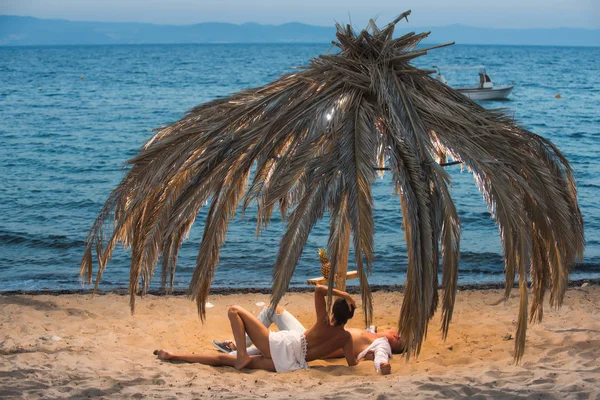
(64, 148)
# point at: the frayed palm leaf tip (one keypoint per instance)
(312, 140)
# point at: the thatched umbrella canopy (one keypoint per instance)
(314, 138)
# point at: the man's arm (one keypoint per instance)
(379, 351)
(320, 304)
(321, 292)
(380, 360)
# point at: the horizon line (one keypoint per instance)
(287, 23)
(279, 43)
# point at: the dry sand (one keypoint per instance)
(79, 346)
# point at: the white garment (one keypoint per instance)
(382, 351)
(371, 329)
(284, 322)
(288, 350)
(287, 322)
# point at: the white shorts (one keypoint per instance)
(288, 350)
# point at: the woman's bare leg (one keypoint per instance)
(218, 360)
(206, 359)
(243, 322)
(266, 318)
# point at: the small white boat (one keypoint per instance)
(485, 90)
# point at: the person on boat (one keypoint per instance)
(485, 81)
(368, 344)
(286, 350)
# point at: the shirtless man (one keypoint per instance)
(372, 345)
(376, 346)
(284, 350)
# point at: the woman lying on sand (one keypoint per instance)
(284, 350)
(369, 344)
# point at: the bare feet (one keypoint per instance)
(386, 368)
(163, 355)
(242, 361)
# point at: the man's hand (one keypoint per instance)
(386, 368)
(351, 303)
(322, 289)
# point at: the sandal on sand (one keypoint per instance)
(225, 346)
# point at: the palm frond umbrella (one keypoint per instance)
(314, 139)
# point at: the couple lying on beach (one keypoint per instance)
(292, 346)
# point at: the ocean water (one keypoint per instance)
(71, 116)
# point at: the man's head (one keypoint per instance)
(342, 312)
(396, 343)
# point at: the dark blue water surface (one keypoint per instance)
(70, 117)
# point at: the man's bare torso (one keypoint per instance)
(361, 339)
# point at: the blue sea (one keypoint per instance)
(71, 116)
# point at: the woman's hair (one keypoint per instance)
(342, 312)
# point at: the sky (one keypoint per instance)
(480, 13)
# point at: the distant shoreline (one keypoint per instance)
(226, 291)
(30, 46)
(30, 31)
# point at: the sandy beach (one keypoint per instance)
(79, 346)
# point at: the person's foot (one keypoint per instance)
(242, 361)
(163, 354)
